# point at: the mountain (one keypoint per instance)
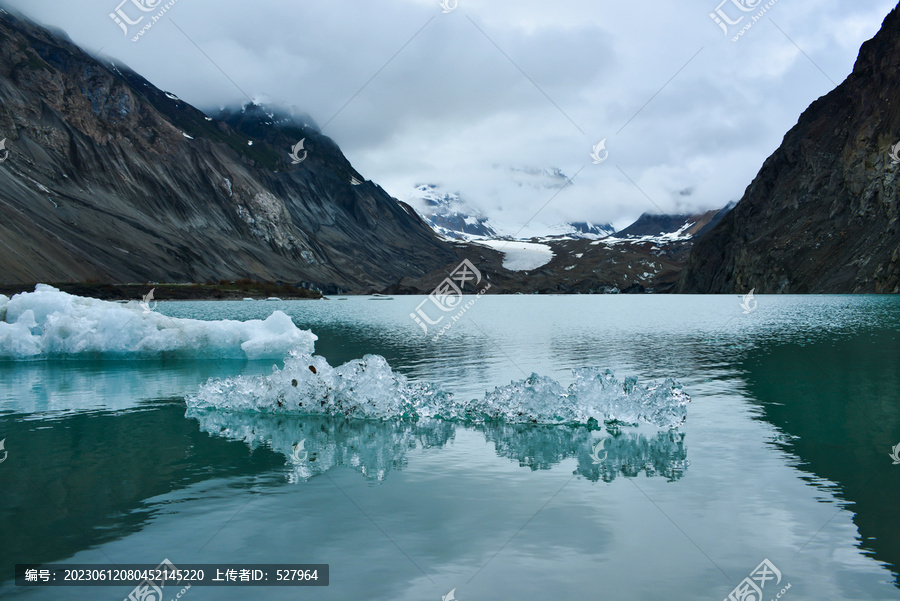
(108, 178)
(448, 215)
(452, 217)
(571, 258)
(670, 227)
(822, 214)
(586, 229)
(645, 257)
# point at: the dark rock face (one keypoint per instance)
(109, 178)
(822, 214)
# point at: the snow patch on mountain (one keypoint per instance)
(681, 234)
(520, 256)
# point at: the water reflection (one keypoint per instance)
(617, 452)
(39, 388)
(315, 444)
(82, 479)
(838, 404)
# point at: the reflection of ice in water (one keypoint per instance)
(39, 387)
(375, 448)
(626, 453)
(368, 388)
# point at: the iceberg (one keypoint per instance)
(48, 323)
(368, 388)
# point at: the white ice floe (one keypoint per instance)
(368, 388)
(520, 256)
(48, 323)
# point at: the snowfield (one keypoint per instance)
(520, 256)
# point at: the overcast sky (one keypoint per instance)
(491, 99)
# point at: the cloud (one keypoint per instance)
(493, 99)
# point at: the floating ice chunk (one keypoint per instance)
(49, 323)
(17, 339)
(368, 388)
(595, 396)
(365, 388)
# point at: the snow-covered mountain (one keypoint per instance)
(658, 228)
(582, 230)
(450, 216)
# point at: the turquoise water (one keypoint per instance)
(784, 456)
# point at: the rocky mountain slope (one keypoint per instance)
(690, 226)
(108, 178)
(822, 214)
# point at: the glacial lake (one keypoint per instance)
(785, 456)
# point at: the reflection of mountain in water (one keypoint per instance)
(839, 402)
(374, 448)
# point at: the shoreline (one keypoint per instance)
(237, 290)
